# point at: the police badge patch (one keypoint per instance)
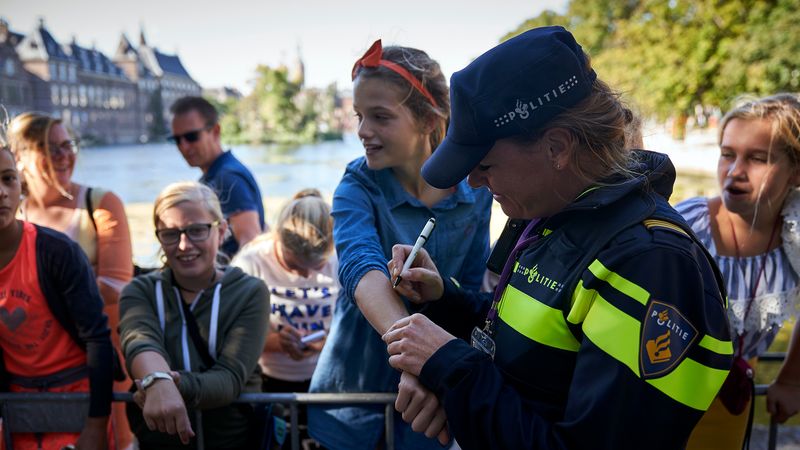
(666, 336)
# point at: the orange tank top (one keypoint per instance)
(34, 343)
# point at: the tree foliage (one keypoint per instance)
(669, 56)
(277, 110)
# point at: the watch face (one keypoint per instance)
(148, 380)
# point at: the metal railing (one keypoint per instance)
(292, 399)
(295, 399)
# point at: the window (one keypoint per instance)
(54, 94)
(72, 73)
(62, 72)
(64, 95)
(10, 69)
(73, 96)
(112, 101)
(82, 96)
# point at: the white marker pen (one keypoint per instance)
(423, 237)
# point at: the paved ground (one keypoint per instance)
(788, 438)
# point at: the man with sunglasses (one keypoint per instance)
(196, 132)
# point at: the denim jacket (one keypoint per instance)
(371, 213)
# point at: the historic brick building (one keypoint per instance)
(120, 101)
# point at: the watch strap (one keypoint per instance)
(151, 378)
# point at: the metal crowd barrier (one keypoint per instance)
(292, 399)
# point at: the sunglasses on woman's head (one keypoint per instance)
(196, 232)
(190, 136)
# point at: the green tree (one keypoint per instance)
(669, 56)
(272, 113)
(228, 119)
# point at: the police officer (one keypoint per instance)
(608, 327)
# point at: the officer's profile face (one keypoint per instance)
(521, 177)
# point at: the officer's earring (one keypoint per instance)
(557, 166)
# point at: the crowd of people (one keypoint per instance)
(613, 320)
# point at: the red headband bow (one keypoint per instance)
(372, 58)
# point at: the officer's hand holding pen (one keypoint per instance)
(422, 282)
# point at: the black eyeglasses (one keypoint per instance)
(196, 232)
(190, 136)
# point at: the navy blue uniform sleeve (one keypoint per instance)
(618, 399)
(73, 282)
(459, 310)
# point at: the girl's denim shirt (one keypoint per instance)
(371, 213)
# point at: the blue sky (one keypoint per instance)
(221, 42)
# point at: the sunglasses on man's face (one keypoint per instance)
(190, 136)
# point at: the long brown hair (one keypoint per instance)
(30, 132)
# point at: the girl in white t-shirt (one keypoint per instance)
(297, 262)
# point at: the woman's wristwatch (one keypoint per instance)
(151, 378)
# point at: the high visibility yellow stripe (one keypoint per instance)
(582, 300)
(650, 223)
(619, 283)
(615, 332)
(716, 346)
(535, 320)
(691, 383)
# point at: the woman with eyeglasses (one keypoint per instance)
(192, 333)
(94, 218)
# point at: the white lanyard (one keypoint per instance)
(213, 323)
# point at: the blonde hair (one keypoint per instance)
(30, 131)
(601, 125)
(187, 191)
(305, 226)
(783, 112)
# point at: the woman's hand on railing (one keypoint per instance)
(420, 408)
(783, 400)
(140, 395)
(165, 411)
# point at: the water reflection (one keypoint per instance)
(138, 172)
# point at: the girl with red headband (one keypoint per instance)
(402, 104)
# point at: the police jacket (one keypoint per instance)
(611, 332)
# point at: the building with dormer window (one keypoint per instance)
(124, 100)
